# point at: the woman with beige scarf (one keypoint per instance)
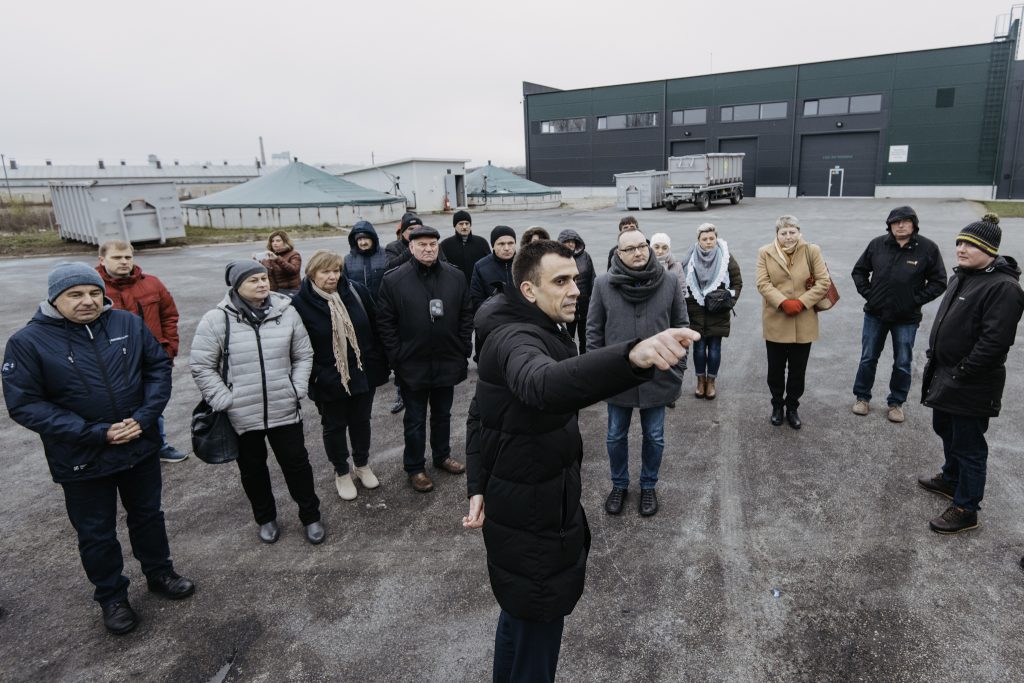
(792, 278)
(348, 365)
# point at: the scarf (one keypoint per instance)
(254, 315)
(636, 286)
(707, 270)
(343, 334)
(786, 254)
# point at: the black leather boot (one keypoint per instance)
(776, 415)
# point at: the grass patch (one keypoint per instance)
(1006, 209)
(36, 242)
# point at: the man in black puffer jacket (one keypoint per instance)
(425, 323)
(897, 274)
(973, 331)
(524, 450)
(92, 382)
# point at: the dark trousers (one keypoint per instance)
(579, 325)
(963, 441)
(526, 651)
(787, 389)
(290, 451)
(415, 423)
(351, 415)
(92, 509)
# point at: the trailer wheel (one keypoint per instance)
(671, 206)
(702, 202)
(735, 199)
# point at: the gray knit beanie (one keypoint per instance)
(237, 272)
(69, 274)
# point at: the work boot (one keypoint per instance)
(937, 485)
(793, 418)
(954, 520)
(119, 617)
(613, 504)
(709, 389)
(776, 418)
(421, 483)
(860, 407)
(171, 585)
(701, 384)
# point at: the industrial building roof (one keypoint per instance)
(43, 174)
(388, 164)
(297, 184)
(488, 180)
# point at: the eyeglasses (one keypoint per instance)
(631, 250)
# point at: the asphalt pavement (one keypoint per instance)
(777, 555)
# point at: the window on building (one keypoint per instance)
(837, 106)
(862, 104)
(690, 117)
(944, 97)
(577, 125)
(753, 112)
(643, 120)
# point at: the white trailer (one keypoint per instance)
(699, 179)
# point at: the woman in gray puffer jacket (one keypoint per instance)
(269, 360)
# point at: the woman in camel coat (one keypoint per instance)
(784, 278)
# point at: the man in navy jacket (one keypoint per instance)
(92, 381)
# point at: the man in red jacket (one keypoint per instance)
(144, 295)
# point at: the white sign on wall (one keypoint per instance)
(898, 153)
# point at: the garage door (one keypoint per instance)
(847, 160)
(747, 146)
(681, 148)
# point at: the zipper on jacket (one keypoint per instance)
(103, 371)
(263, 378)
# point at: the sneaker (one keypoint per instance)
(860, 407)
(365, 475)
(937, 485)
(171, 454)
(613, 505)
(954, 520)
(346, 487)
(648, 502)
(895, 414)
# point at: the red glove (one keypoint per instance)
(791, 307)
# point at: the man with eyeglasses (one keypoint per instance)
(636, 298)
(626, 223)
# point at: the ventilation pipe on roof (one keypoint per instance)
(159, 165)
(14, 165)
(100, 164)
(49, 162)
(123, 162)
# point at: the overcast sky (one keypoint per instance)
(339, 81)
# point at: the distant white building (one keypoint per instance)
(425, 184)
(32, 183)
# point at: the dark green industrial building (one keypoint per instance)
(931, 123)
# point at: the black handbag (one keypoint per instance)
(213, 438)
(718, 301)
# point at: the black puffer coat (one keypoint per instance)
(425, 353)
(324, 378)
(897, 281)
(524, 450)
(973, 330)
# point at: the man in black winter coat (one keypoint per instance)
(92, 382)
(897, 274)
(425, 322)
(495, 268)
(524, 450)
(973, 331)
(464, 249)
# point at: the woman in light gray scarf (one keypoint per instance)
(348, 365)
(709, 266)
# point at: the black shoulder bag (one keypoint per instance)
(213, 438)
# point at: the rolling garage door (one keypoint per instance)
(747, 146)
(682, 148)
(845, 159)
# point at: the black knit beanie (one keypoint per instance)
(460, 216)
(501, 231)
(900, 213)
(985, 236)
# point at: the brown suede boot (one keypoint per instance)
(709, 389)
(701, 384)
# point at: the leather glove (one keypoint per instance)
(791, 307)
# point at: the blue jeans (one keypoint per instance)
(707, 356)
(652, 423)
(963, 441)
(872, 342)
(526, 651)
